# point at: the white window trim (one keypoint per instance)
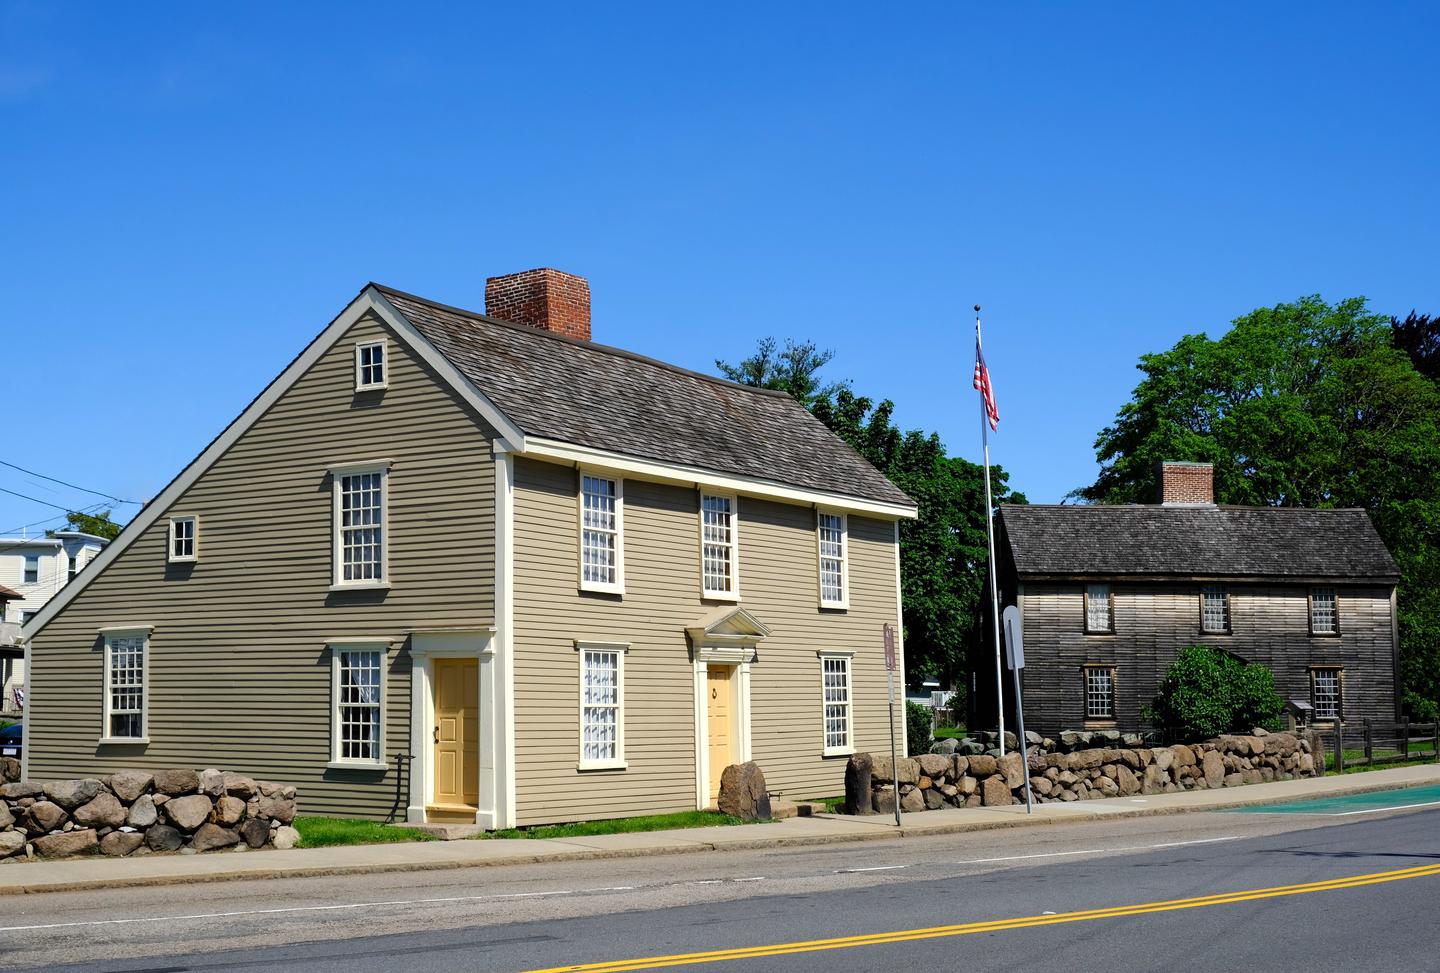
(362, 386)
(849, 657)
(109, 633)
(171, 556)
(382, 646)
(844, 601)
(621, 649)
(618, 587)
(337, 538)
(734, 593)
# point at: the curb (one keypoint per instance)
(691, 847)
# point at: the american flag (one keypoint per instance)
(982, 384)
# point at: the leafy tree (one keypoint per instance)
(1207, 692)
(794, 370)
(917, 728)
(98, 524)
(943, 552)
(1419, 337)
(1303, 404)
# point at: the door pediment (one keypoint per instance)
(727, 634)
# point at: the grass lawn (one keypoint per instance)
(327, 832)
(833, 805)
(650, 822)
(949, 732)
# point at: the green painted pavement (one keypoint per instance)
(1373, 802)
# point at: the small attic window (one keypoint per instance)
(370, 365)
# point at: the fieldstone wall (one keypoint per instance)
(135, 812)
(936, 780)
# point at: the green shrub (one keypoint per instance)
(1207, 692)
(917, 727)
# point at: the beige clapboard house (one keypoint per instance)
(455, 567)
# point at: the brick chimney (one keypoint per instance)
(1186, 483)
(548, 299)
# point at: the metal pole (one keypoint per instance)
(990, 541)
(1024, 750)
(894, 753)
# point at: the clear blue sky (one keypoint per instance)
(188, 194)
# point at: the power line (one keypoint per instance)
(63, 483)
(34, 500)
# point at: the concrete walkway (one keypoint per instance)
(92, 873)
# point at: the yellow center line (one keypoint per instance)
(993, 925)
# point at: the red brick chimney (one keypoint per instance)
(1186, 483)
(548, 299)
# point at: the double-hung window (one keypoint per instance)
(183, 537)
(361, 526)
(602, 533)
(127, 654)
(831, 530)
(1099, 694)
(1099, 609)
(370, 366)
(1326, 698)
(1214, 609)
(719, 549)
(1324, 612)
(32, 568)
(72, 566)
(357, 687)
(835, 695)
(602, 706)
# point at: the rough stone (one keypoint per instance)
(885, 800)
(121, 843)
(1041, 786)
(211, 836)
(81, 842)
(913, 800)
(995, 792)
(45, 816)
(924, 783)
(229, 810)
(933, 764)
(70, 794)
(945, 747)
(175, 783)
(11, 842)
(162, 837)
(18, 789)
(212, 783)
(1233, 780)
(858, 785)
(982, 765)
(1107, 787)
(1012, 767)
(967, 786)
(959, 766)
(1163, 758)
(1214, 767)
(285, 837)
(142, 812)
(934, 799)
(742, 794)
(255, 832)
(105, 811)
(128, 785)
(238, 785)
(191, 811)
(1154, 781)
(6, 817)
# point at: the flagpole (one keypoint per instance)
(990, 542)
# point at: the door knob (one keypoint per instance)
(435, 735)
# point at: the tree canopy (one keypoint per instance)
(98, 524)
(1302, 404)
(942, 552)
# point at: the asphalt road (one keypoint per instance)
(523, 918)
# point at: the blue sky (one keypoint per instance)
(188, 194)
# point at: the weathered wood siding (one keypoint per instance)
(1154, 621)
(778, 584)
(239, 669)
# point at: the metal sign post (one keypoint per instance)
(1015, 655)
(894, 753)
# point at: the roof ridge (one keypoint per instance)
(581, 342)
(1172, 506)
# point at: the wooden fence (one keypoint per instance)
(1373, 742)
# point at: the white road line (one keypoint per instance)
(1196, 841)
(872, 868)
(1095, 851)
(1377, 810)
(757, 878)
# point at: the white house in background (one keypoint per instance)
(34, 568)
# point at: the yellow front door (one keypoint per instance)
(456, 736)
(717, 693)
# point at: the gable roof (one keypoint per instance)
(592, 395)
(1195, 541)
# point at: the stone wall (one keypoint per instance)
(936, 780)
(135, 812)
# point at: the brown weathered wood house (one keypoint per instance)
(1108, 596)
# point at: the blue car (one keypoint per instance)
(10, 740)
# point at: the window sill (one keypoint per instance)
(356, 765)
(1324, 635)
(361, 586)
(719, 596)
(602, 589)
(1100, 631)
(1218, 631)
(183, 560)
(373, 387)
(835, 606)
(838, 752)
(123, 741)
(602, 765)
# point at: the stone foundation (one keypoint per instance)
(936, 780)
(136, 812)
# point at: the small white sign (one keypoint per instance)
(1014, 638)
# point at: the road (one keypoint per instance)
(891, 905)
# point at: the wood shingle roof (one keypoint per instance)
(1195, 541)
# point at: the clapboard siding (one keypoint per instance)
(1154, 621)
(778, 584)
(239, 669)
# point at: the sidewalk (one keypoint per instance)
(95, 873)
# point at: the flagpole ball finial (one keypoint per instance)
(977, 308)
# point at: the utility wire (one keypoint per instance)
(72, 486)
(35, 500)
